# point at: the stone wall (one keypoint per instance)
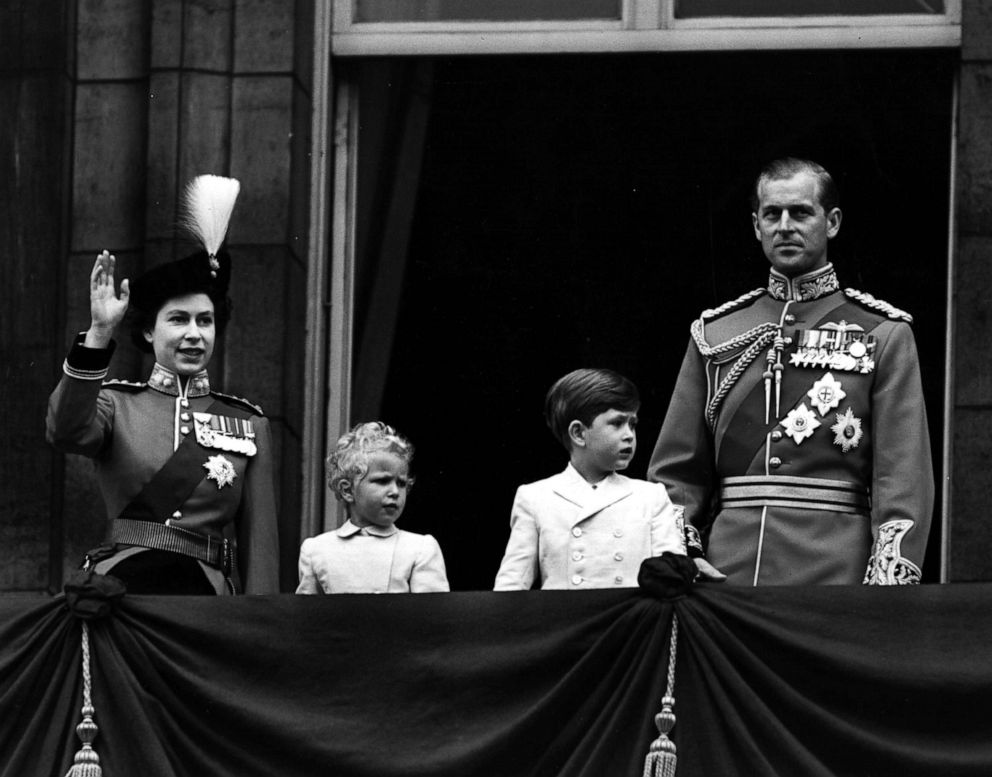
(970, 528)
(133, 100)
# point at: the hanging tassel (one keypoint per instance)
(87, 762)
(661, 758)
(207, 206)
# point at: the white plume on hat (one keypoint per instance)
(207, 205)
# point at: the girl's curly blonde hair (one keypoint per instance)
(349, 462)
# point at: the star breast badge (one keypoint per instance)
(220, 470)
(826, 393)
(800, 423)
(847, 431)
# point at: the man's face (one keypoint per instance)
(791, 224)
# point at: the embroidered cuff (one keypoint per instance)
(887, 565)
(85, 363)
(693, 542)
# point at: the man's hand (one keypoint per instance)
(106, 308)
(707, 572)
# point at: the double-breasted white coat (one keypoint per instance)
(570, 534)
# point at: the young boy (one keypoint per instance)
(589, 527)
(370, 472)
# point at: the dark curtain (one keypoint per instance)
(821, 681)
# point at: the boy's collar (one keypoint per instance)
(575, 475)
(348, 529)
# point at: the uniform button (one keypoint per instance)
(576, 556)
(789, 318)
(618, 532)
(184, 402)
(777, 435)
(775, 461)
(177, 515)
(787, 341)
(184, 416)
(184, 429)
(618, 579)
(576, 532)
(576, 579)
(166, 381)
(618, 556)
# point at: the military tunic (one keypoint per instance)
(796, 437)
(132, 429)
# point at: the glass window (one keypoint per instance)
(696, 9)
(484, 10)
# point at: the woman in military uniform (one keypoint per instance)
(185, 472)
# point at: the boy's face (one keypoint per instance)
(611, 440)
(378, 498)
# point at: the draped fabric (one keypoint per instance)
(769, 681)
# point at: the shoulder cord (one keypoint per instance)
(756, 339)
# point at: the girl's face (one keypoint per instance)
(378, 498)
(184, 333)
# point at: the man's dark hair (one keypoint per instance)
(787, 167)
(584, 394)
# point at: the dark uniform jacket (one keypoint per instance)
(132, 429)
(796, 437)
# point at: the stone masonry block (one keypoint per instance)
(973, 321)
(263, 36)
(108, 187)
(975, 150)
(976, 30)
(163, 150)
(207, 35)
(299, 178)
(254, 341)
(303, 60)
(970, 529)
(205, 125)
(112, 40)
(167, 34)
(260, 156)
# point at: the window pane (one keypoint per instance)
(484, 10)
(690, 9)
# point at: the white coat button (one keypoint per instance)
(618, 579)
(576, 532)
(576, 579)
(576, 556)
(618, 532)
(618, 556)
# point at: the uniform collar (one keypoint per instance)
(348, 529)
(803, 288)
(167, 382)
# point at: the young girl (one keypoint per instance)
(370, 472)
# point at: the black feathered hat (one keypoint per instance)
(208, 202)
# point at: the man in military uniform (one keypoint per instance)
(796, 438)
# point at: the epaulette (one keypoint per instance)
(130, 386)
(726, 307)
(881, 306)
(243, 403)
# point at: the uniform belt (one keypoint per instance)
(160, 536)
(838, 496)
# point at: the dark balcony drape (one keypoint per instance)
(823, 681)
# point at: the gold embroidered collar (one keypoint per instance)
(803, 288)
(167, 382)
